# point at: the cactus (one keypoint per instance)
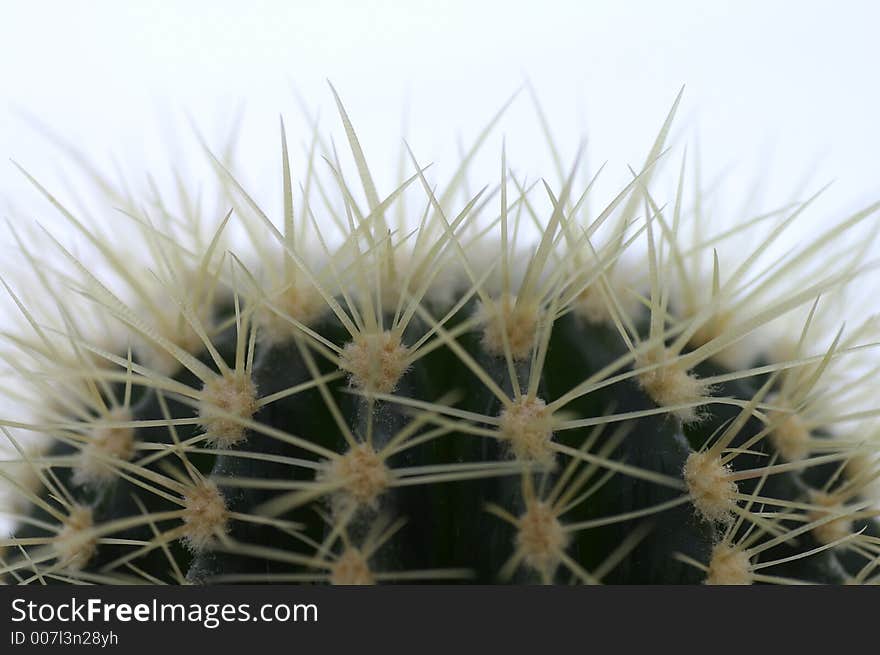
(419, 388)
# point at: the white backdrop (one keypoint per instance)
(778, 89)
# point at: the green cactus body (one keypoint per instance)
(440, 402)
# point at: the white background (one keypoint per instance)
(779, 90)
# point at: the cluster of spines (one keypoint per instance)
(365, 415)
